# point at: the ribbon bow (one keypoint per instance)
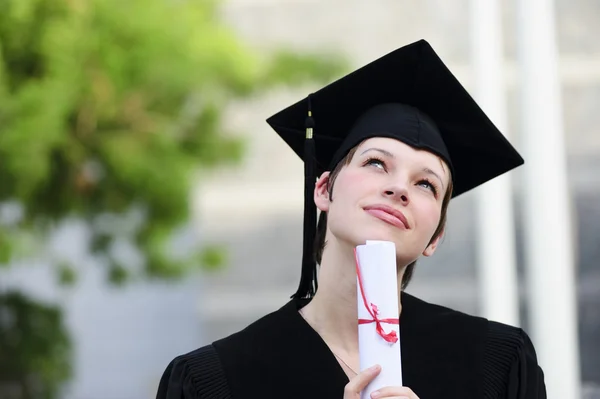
(391, 337)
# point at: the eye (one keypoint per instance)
(428, 185)
(376, 162)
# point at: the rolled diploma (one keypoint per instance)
(377, 260)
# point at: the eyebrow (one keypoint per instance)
(384, 152)
(431, 172)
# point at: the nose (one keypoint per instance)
(397, 194)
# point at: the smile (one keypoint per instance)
(388, 215)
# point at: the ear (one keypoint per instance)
(321, 194)
(433, 245)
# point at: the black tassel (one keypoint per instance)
(308, 278)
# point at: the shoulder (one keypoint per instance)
(511, 364)
(194, 375)
(504, 345)
(503, 342)
(503, 338)
(506, 354)
(499, 336)
(203, 373)
(264, 332)
(445, 320)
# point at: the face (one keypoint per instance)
(389, 191)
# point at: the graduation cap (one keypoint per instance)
(409, 95)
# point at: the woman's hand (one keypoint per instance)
(394, 393)
(360, 381)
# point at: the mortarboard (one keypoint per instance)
(408, 94)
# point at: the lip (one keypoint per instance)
(389, 215)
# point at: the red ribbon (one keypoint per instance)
(391, 337)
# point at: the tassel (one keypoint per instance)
(308, 278)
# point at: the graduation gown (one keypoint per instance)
(445, 354)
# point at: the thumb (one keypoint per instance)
(361, 380)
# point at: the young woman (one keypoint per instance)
(392, 143)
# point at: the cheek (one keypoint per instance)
(352, 183)
(430, 217)
(349, 190)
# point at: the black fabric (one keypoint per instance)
(445, 354)
(510, 366)
(397, 121)
(308, 278)
(441, 345)
(198, 374)
(283, 355)
(447, 121)
(526, 378)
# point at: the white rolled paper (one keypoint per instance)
(377, 262)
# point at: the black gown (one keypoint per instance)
(445, 354)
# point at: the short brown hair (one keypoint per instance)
(320, 242)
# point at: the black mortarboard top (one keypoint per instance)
(409, 95)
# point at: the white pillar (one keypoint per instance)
(547, 210)
(495, 246)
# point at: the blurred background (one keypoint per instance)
(146, 208)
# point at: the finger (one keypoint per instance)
(361, 380)
(393, 392)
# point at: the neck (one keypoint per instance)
(333, 310)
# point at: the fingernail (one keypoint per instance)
(375, 394)
(374, 368)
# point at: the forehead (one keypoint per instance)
(405, 152)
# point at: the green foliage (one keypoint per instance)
(66, 275)
(213, 257)
(35, 349)
(107, 106)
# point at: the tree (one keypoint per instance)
(35, 349)
(107, 110)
